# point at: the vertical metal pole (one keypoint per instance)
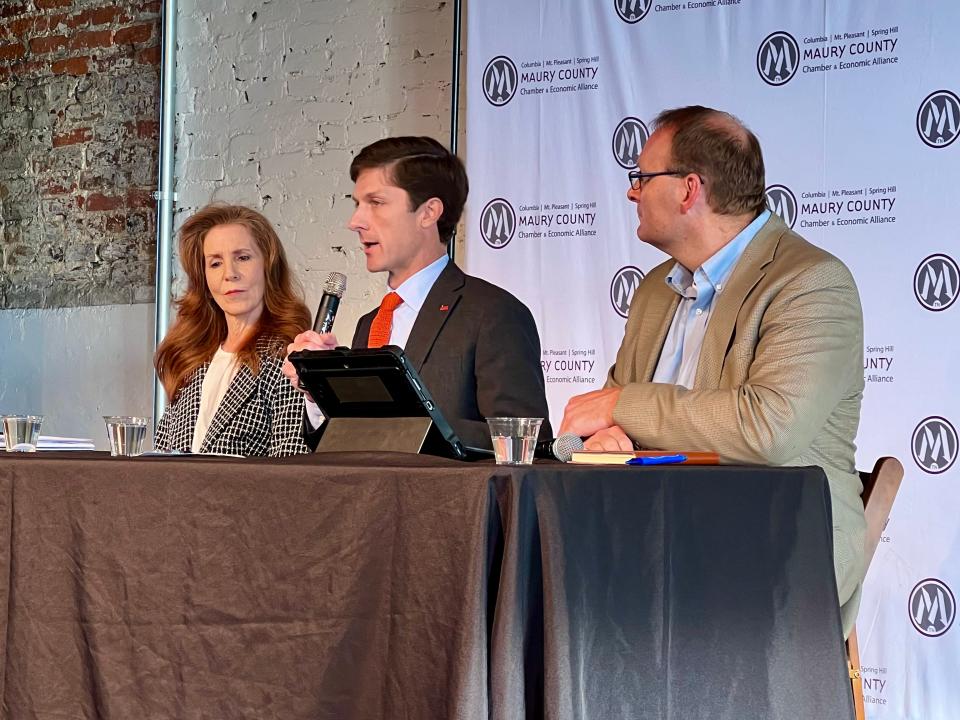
(455, 96)
(164, 195)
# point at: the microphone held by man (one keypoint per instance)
(321, 337)
(333, 290)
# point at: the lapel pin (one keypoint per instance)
(444, 308)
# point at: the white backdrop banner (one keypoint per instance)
(856, 106)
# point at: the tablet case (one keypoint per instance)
(374, 399)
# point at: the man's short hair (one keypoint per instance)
(425, 169)
(719, 148)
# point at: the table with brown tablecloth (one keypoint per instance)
(397, 586)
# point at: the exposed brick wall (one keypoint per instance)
(79, 103)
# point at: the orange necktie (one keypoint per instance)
(380, 328)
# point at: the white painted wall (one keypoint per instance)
(271, 108)
(75, 365)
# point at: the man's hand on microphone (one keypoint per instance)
(589, 413)
(611, 439)
(308, 340)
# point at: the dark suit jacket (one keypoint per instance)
(477, 350)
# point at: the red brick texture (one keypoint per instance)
(79, 94)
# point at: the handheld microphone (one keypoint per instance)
(333, 290)
(560, 448)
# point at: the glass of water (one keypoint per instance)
(126, 434)
(21, 432)
(514, 439)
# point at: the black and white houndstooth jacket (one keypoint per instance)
(260, 415)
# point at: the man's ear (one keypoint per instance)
(430, 212)
(692, 191)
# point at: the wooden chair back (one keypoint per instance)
(880, 488)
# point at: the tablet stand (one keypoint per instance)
(389, 434)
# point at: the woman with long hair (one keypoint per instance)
(220, 362)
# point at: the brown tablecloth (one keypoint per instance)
(389, 586)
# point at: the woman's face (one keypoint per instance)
(233, 265)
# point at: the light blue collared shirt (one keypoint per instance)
(681, 350)
(413, 291)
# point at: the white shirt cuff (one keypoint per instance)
(315, 417)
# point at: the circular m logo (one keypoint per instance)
(497, 223)
(938, 119)
(935, 282)
(628, 140)
(782, 202)
(624, 284)
(934, 445)
(632, 11)
(778, 58)
(500, 81)
(932, 607)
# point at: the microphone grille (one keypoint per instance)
(336, 284)
(565, 445)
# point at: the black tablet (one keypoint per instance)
(374, 383)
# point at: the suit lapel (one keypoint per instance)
(749, 270)
(439, 305)
(361, 335)
(242, 387)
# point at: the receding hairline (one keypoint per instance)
(726, 123)
(709, 118)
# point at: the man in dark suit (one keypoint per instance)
(474, 344)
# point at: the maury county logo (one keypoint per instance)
(778, 58)
(936, 281)
(628, 140)
(632, 11)
(934, 445)
(938, 119)
(622, 287)
(498, 222)
(500, 81)
(782, 202)
(932, 607)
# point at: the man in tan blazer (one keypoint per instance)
(747, 342)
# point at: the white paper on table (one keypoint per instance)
(53, 442)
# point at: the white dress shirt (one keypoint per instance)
(220, 373)
(413, 291)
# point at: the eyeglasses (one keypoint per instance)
(638, 179)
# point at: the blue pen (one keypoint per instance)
(657, 460)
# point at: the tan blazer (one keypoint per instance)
(779, 381)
